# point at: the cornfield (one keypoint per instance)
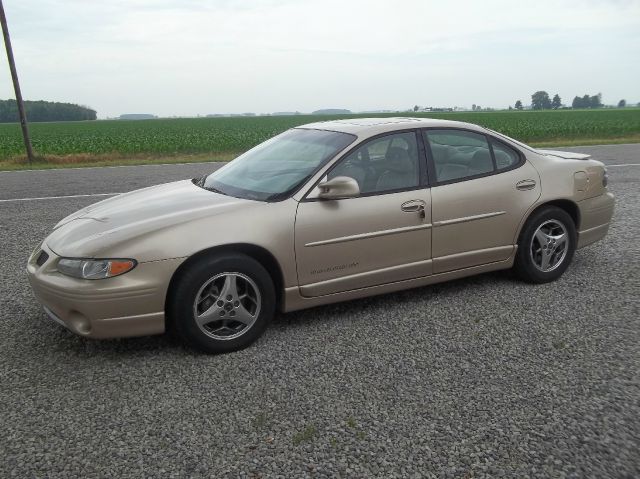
(165, 137)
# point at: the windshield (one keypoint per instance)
(279, 166)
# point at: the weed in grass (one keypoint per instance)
(260, 421)
(559, 344)
(306, 435)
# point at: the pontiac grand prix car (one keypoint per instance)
(325, 212)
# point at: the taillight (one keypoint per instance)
(605, 178)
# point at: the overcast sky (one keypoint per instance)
(188, 57)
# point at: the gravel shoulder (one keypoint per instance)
(481, 377)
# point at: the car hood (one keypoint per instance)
(567, 155)
(103, 225)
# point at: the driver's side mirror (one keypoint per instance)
(338, 188)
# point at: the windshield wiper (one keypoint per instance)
(200, 181)
(214, 190)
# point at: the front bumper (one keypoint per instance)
(128, 305)
(595, 218)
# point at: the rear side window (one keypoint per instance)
(459, 154)
(506, 157)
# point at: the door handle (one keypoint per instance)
(414, 206)
(525, 185)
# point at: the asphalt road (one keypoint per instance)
(482, 377)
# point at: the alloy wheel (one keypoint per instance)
(227, 305)
(549, 245)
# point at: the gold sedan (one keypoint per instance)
(322, 213)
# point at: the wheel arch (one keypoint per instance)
(258, 253)
(569, 206)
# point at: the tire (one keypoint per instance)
(543, 256)
(225, 318)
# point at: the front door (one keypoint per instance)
(381, 236)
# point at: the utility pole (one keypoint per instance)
(16, 85)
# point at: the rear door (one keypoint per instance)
(381, 236)
(481, 190)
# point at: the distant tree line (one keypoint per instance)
(586, 101)
(332, 111)
(475, 107)
(540, 100)
(137, 116)
(45, 111)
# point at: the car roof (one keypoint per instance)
(374, 126)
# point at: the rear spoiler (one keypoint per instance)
(568, 155)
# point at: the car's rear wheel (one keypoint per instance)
(546, 245)
(222, 303)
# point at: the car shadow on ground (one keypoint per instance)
(423, 293)
(63, 341)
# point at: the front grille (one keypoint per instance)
(42, 258)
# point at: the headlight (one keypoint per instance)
(95, 268)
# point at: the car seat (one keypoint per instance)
(480, 162)
(401, 171)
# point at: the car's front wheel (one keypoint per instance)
(222, 303)
(546, 245)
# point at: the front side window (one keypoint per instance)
(276, 168)
(458, 154)
(383, 164)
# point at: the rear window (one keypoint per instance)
(459, 154)
(519, 143)
(505, 157)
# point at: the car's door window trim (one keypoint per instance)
(425, 175)
(493, 156)
(431, 167)
(422, 167)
